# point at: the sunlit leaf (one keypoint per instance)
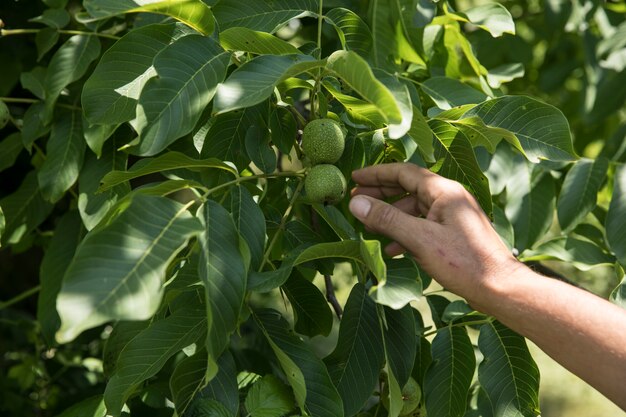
(492, 17)
(261, 43)
(133, 252)
(616, 216)
(582, 254)
(353, 32)
(448, 92)
(261, 15)
(403, 284)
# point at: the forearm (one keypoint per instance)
(581, 331)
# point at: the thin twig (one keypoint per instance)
(20, 297)
(10, 32)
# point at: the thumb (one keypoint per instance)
(388, 220)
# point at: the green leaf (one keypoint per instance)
(187, 379)
(283, 129)
(579, 191)
(530, 205)
(541, 129)
(449, 376)
(110, 94)
(250, 222)
(269, 397)
(355, 363)
(358, 75)
(165, 162)
(123, 332)
(2, 225)
(97, 135)
(148, 352)
(582, 254)
(422, 135)
(10, 148)
(311, 312)
(618, 295)
(64, 156)
(92, 407)
(508, 373)
(479, 134)
(68, 64)
(492, 17)
(170, 104)
(402, 97)
(261, 15)
(255, 81)
(383, 31)
(260, 43)
(223, 273)
(24, 210)
(34, 125)
(194, 13)
(33, 81)
(400, 342)
(360, 111)
(403, 284)
(133, 252)
(57, 258)
(45, 40)
(94, 206)
(616, 217)
(259, 149)
(448, 92)
(54, 18)
(456, 160)
(223, 387)
(309, 378)
(353, 32)
(504, 74)
(205, 407)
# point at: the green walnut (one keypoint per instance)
(4, 114)
(411, 396)
(323, 141)
(325, 184)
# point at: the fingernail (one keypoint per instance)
(360, 207)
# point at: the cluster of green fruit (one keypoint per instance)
(323, 142)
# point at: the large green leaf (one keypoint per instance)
(194, 13)
(401, 94)
(148, 352)
(64, 156)
(187, 379)
(223, 273)
(492, 17)
(110, 94)
(259, 149)
(170, 104)
(306, 373)
(223, 387)
(250, 222)
(456, 160)
(94, 205)
(269, 397)
(448, 92)
(133, 252)
(358, 110)
(57, 258)
(541, 129)
(165, 162)
(10, 148)
(353, 32)
(69, 63)
(261, 15)
(579, 191)
(582, 254)
(355, 363)
(92, 407)
(123, 332)
(400, 342)
(255, 81)
(311, 312)
(358, 75)
(261, 43)
(616, 216)
(383, 32)
(508, 373)
(403, 284)
(448, 379)
(530, 205)
(24, 210)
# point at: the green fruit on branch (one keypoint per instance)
(4, 114)
(325, 184)
(323, 141)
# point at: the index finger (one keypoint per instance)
(422, 183)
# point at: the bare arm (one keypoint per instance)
(443, 227)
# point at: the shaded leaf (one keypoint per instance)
(449, 376)
(448, 92)
(582, 254)
(353, 32)
(508, 373)
(123, 332)
(170, 104)
(92, 407)
(223, 387)
(187, 378)
(10, 148)
(261, 15)
(250, 222)
(64, 156)
(133, 252)
(306, 373)
(579, 192)
(269, 397)
(194, 13)
(400, 342)
(616, 216)
(259, 149)
(311, 312)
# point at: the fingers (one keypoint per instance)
(388, 220)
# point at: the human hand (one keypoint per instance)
(438, 222)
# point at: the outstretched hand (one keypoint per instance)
(437, 221)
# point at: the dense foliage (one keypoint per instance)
(152, 196)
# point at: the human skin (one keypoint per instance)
(442, 226)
